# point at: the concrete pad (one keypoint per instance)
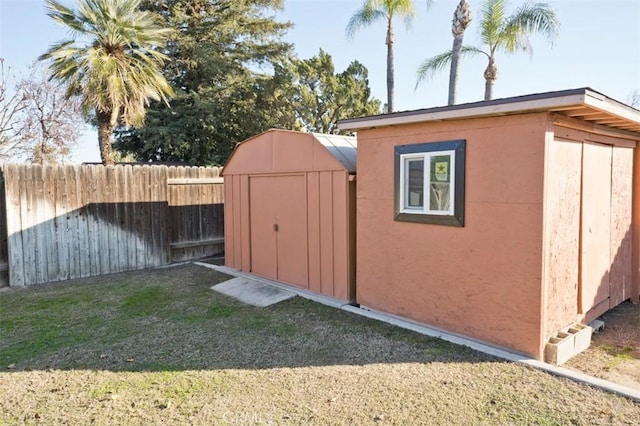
(252, 292)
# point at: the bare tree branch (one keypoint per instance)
(50, 123)
(12, 103)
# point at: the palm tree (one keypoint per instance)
(461, 20)
(376, 10)
(500, 32)
(112, 61)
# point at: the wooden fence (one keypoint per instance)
(65, 222)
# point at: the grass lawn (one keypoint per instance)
(159, 347)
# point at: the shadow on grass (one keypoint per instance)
(169, 320)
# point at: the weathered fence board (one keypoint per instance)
(65, 222)
(14, 226)
(4, 255)
(195, 222)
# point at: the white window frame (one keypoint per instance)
(425, 151)
(426, 198)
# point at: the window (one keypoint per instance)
(429, 183)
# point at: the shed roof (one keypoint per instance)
(343, 148)
(584, 104)
(278, 150)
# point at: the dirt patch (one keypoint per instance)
(614, 354)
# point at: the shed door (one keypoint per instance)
(605, 234)
(278, 213)
(595, 228)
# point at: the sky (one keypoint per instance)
(598, 47)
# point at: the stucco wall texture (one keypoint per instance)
(509, 277)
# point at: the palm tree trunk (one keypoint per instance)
(453, 73)
(488, 89)
(490, 76)
(460, 22)
(105, 130)
(390, 68)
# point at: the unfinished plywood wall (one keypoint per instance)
(588, 225)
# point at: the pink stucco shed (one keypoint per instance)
(550, 235)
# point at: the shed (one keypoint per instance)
(507, 221)
(290, 210)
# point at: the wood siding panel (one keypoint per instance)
(621, 210)
(596, 221)
(563, 181)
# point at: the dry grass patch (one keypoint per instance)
(159, 347)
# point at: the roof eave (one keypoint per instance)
(552, 101)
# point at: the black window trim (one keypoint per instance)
(457, 219)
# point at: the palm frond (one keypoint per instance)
(114, 60)
(377, 10)
(63, 15)
(492, 18)
(363, 17)
(401, 8)
(537, 18)
(429, 67)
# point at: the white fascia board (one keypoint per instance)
(601, 103)
(497, 109)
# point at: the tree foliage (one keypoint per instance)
(501, 32)
(384, 10)
(318, 97)
(112, 61)
(221, 62)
